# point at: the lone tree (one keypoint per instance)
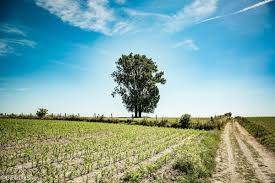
(137, 77)
(41, 113)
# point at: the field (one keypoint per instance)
(63, 151)
(263, 128)
(216, 122)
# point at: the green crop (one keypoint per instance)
(62, 151)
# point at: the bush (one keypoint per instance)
(41, 113)
(185, 121)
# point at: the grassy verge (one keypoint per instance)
(262, 128)
(197, 161)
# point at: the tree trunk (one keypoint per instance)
(136, 112)
(139, 114)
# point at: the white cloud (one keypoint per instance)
(239, 11)
(188, 43)
(253, 6)
(7, 45)
(12, 30)
(133, 12)
(196, 11)
(22, 42)
(98, 16)
(93, 15)
(188, 15)
(5, 48)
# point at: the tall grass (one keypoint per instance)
(197, 161)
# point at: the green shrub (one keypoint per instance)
(41, 113)
(185, 121)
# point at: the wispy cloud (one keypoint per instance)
(22, 42)
(98, 16)
(11, 29)
(188, 43)
(238, 12)
(188, 15)
(133, 12)
(92, 15)
(7, 46)
(196, 11)
(72, 66)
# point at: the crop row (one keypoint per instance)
(61, 151)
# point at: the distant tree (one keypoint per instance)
(185, 121)
(41, 113)
(137, 77)
(229, 114)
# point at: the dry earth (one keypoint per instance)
(241, 158)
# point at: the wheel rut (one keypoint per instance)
(241, 158)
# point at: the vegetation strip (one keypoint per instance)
(83, 153)
(262, 128)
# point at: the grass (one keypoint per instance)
(196, 123)
(263, 128)
(62, 151)
(195, 160)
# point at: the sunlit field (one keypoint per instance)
(62, 151)
(263, 128)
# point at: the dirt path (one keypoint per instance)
(242, 159)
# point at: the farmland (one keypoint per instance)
(263, 128)
(62, 151)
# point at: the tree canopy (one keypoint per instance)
(137, 77)
(41, 112)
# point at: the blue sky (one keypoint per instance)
(217, 55)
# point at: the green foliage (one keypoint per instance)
(263, 128)
(229, 114)
(197, 161)
(137, 77)
(145, 170)
(134, 176)
(41, 113)
(185, 121)
(218, 122)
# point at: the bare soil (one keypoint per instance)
(241, 158)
